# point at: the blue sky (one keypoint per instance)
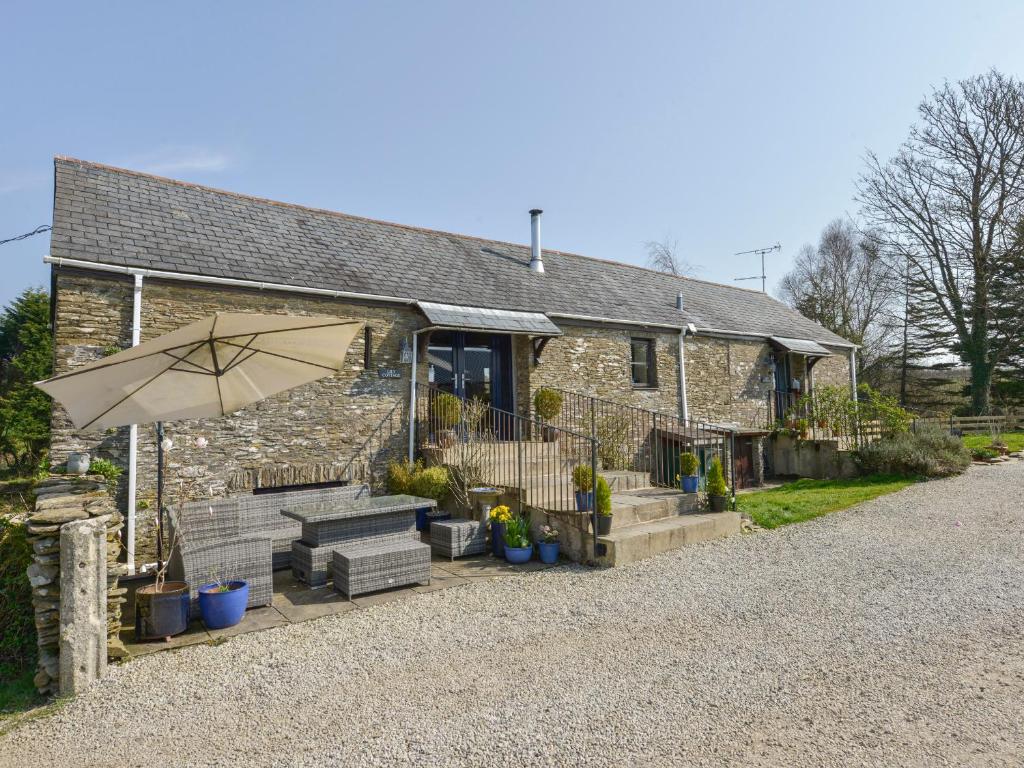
(725, 126)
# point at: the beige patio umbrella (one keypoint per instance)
(209, 368)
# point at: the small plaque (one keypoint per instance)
(389, 373)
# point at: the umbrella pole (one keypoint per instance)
(159, 495)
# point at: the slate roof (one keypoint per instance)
(114, 216)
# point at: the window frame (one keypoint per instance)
(652, 362)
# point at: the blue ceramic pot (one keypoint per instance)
(689, 483)
(223, 609)
(422, 518)
(548, 551)
(497, 539)
(584, 501)
(518, 555)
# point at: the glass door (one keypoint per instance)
(472, 366)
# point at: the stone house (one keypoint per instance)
(134, 256)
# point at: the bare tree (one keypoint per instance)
(949, 206)
(663, 256)
(846, 285)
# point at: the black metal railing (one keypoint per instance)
(636, 439)
(386, 442)
(808, 417)
(485, 446)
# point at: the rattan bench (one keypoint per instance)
(458, 537)
(367, 568)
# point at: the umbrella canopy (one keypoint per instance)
(209, 368)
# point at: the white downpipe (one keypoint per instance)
(412, 395)
(133, 434)
(682, 376)
(853, 373)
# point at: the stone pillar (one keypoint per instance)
(62, 500)
(83, 604)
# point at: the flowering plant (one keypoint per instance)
(548, 534)
(501, 514)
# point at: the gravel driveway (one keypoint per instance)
(885, 635)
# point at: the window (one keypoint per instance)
(642, 362)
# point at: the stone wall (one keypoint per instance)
(305, 435)
(596, 361)
(832, 371)
(728, 380)
(61, 500)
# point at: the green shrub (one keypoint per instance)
(108, 470)
(548, 403)
(928, 453)
(430, 483)
(447, 410)
(716, 479)
(399, 476)
(17, 619)
(688, 464)
(603, 497)
(983, 454)
(583, 477)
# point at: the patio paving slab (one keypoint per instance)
(196, 633)
(255, 620)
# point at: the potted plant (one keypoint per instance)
(548, 404)
(429, 483)
(447, 412)
(583, 482)
(718, 492)
(688, 468)
(518, 548)
(222, 603)
(161, 608)
(602, 517)
(500, 515)
(548, 545)
(803, 426)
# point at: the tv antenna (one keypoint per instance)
(761, 252)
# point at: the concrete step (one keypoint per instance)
(631, 543)
(643, 505)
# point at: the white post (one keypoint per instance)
(853, 372)
(412, 396)
(133, 435)
(682, 375)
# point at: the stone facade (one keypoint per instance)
(61, 500)
(728, 380)
(310, 434)
(596, 361)
(832, 371)
(305, 435)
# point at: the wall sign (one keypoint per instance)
(389, 373)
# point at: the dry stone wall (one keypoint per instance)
(61, 500)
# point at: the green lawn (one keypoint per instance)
(806, 499)
(1015, 441)
(18, 694)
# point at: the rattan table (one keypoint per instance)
(357, 522)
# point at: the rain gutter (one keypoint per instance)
(190, 277)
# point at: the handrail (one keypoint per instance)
(640, 439)
(376, 432)
(484, 445)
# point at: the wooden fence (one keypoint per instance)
(969, 425)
